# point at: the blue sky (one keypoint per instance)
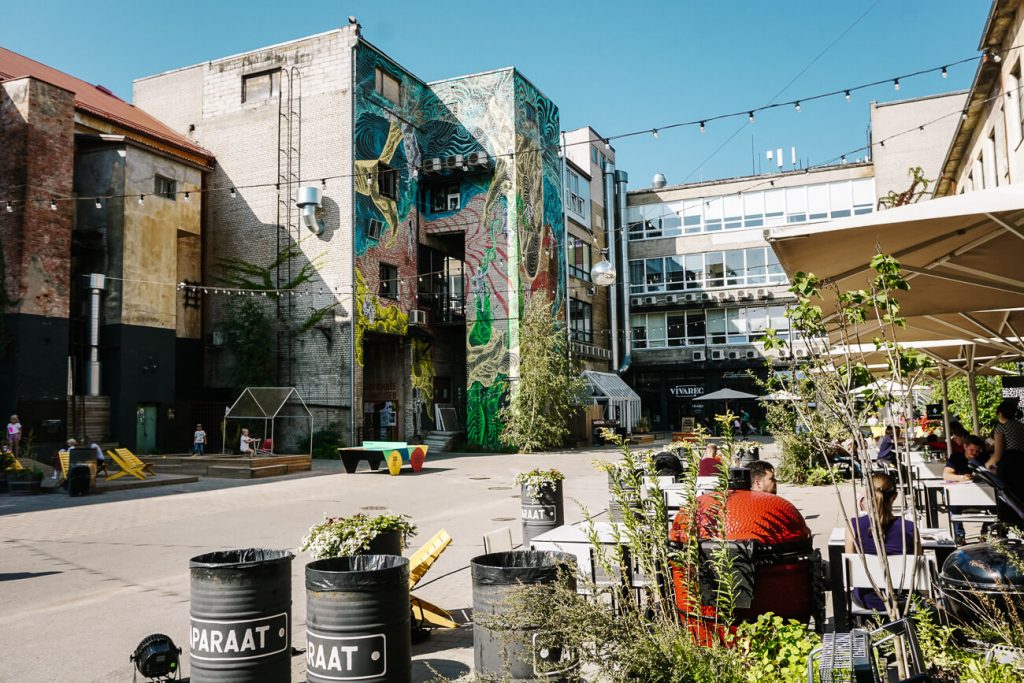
(616, 66)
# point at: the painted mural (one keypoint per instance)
(510, 213)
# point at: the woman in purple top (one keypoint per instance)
(899, 533)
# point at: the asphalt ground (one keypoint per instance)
(83, 580)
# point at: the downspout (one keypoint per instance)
(565, 263)
(352, 227)
(621, 179)
(609, 240)
(97, 283)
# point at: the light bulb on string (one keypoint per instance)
(750, 116)
(702, 127)
(654, 132)
(847, 95)
(10, 208)
(233, 193)
(945, 72)
(53, 205)
(797, 107)
(142, 198)
(896, 84)
(186, 196)
(99, 204)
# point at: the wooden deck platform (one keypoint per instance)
(231, 466)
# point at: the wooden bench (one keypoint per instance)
(684, 437)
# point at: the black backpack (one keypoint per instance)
(79, 479)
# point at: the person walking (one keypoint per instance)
(199, 441)
(14, 435)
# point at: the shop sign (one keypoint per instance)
(686, 390)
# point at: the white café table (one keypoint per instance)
(980, 496)
(575, 540)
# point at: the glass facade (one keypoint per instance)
(710, 327)
(755, 209)
(751, 267)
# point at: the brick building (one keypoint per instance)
(93, 186)
(441, 217)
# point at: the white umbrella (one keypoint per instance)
(725, 395)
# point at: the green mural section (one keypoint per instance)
(509, 215)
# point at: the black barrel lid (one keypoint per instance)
(358, 572)
(520, 566)
(985, 564)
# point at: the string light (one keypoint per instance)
(655, 133)
(99, 204)
(750, 116)
(702, 127)
(142, 198)
(847, 96)
(10, 208)
(233, 193)
(186, 196)
(53, 205)
(797, 107)
(896, 84)
(945, 72)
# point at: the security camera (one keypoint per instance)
(308, 199)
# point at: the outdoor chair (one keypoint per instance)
(901, 568)
(972, 503)
(129, 464)
(65, 463)
(264, 448)
(498, 541)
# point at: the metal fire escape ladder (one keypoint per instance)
(289, 174)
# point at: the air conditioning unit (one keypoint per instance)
(706, 296)
(731, 296)
(698, 355)
(801, 353)
(763, 293)
(734, 355)
(432, 165)
(650, 300)
(751, 353)
(454, 162)
(746, 294)
(690, 297)
(672, 298)
(717, 355)
(417, 317)
(478, 158)
(637, 301)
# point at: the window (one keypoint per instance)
(374, 229)
(445, 198)
(735, 272)
(387, 181)
(261, 86)
(387, 85)
(388, 281)
(579, 259)
(988, 164)
(715, 265)
(165, 187)
(638, 326)
(577, 197)
(694, 271)
(636, 277)
(675, 273)
(593, 154)
(1016, 84)
(840, 200)
(582, 316)
(817, 202)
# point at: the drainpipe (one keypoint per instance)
(97, 283)
(609, 240)
(565, 263)
(621, 179)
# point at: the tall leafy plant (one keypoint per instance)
(550, 389)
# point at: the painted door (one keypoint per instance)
(145, 428)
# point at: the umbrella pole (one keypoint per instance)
(945, 414)
(973, 389)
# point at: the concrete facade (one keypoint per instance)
(907, 147)
(987, 148)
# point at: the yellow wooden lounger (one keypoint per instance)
(129, 464)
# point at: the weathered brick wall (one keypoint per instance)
(36, 159)
(244, 136)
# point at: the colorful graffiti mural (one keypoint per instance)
(510, 212)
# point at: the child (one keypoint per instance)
(14, 435)
(199, 441)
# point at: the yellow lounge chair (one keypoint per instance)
(129, 464)
(65, 463)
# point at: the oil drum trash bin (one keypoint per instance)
(499, 653)
(358, 619)
(241, 608)
(542, 512)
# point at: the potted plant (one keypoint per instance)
(542, 501)
(358, 534)
(24, 482)
(643, 425)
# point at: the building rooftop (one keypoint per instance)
(97, 101)
(760, 176)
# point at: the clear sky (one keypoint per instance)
(617, 66)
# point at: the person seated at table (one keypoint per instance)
(762, 477)
(101, 460)
(710, 463)
(58, 470)
(887, 446)
(245, 443)
(957, 467)
(897, 532)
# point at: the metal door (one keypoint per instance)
(145, 428)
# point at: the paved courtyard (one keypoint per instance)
(84, 580)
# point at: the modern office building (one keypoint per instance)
(702, 285)
(433, 216)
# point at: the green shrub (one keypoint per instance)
(326, 442)
(776, 649)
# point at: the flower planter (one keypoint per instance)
(386, 543)
(542, 512)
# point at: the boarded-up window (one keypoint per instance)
(388, 86)
(261, 86)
